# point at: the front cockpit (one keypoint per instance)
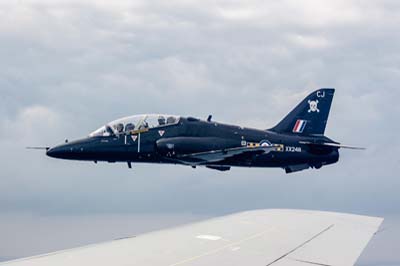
(130, 124)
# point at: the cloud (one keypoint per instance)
(20, 231)
(68, 67)
(28, 123)
(311, 42)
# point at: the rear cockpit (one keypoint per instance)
(130, 124)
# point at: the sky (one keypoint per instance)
(69, 67)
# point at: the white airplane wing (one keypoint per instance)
(254, 238)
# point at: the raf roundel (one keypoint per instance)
(265, 143)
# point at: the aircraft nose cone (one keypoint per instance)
(74, 150)
(57, 152)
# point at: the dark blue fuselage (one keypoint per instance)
(164, 144)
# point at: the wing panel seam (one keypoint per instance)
(221, 248)
(301, 245)
(310, 262)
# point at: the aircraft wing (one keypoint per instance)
(214, 156)
(254, 238)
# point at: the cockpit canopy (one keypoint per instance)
(128, 124)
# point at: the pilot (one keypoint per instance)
(120, 127)
(171, 120)
(161, 120)
(109, 131)
(129, 127)
(143, 125)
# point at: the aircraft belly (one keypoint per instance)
(282, 159)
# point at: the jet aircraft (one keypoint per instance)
(294, 144)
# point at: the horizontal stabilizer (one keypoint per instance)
(332, 144)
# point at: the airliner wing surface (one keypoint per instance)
(253, 238)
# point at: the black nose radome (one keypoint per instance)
(57, 152)
(75, 150)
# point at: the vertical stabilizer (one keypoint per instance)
(310, 116)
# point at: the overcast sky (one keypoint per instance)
(68, 67)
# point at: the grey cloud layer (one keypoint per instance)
(67, 67)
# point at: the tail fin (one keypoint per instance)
(310, 116)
